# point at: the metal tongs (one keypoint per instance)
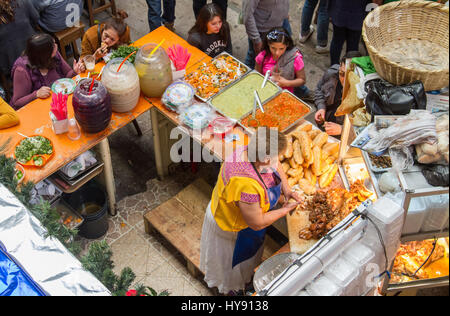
(257, 102)
(265, 79)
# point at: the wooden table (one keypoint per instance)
(35, 120)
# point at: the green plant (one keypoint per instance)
(97, 260)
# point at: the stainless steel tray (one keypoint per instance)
(235, 59)
(232, 85)
(250, 130)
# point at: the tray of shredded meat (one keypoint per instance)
(322, 211)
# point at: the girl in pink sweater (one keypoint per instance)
(41, 65)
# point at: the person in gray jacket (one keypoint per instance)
(58, 15)
(259, 17)
(328, 97)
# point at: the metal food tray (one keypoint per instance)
(234, 58)
(236, 82)
(84, 175)
(373, 167)
(251, 131)
(80, 174)
(61, 204)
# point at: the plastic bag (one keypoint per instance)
(438, 152)
(178, 96)
(389, 182)
(436, 175)
(197, 116)
(351, 101)
(416, 128)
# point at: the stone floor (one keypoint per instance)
(155, 262)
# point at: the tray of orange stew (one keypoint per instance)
(211, 77)
(34, 151)
(283, 111)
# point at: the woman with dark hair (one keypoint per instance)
(282, 58)
(18, 20)
(211, 33)
(40, 66)
(101, 39)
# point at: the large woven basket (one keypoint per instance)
(413, 19)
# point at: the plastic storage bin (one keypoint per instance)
(437, 213)
(322, 286)
(344, 274)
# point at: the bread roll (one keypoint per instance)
(298, 156)
(285, 166)
(307, 187)
(316, 166)
(320, 140)
(328, 177)
(312, 134)
(292, 163)
(330, 149)
(289, 149)
(292, 182)
(305, 145)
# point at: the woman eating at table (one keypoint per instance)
(211, 33)
(101, 39)
(243, 205)
(8, 117)
(38, 68)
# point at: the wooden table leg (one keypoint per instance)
(108, 176)
(157, 144)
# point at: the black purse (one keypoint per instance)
(384, 98)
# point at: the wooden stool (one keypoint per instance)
(70, 36)
(103, 6)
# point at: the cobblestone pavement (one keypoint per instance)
(156, 263)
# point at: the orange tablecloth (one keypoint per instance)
(35, 119)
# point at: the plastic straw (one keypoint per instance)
(126, 58)
(157, 46)
(92, 85)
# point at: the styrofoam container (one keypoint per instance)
(386, 211)
(322, 286)
(344, 274)
(437, 214)
(415, 217)
(359, 254)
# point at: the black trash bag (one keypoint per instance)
(436, 175)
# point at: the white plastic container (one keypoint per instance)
(345, 275)
(437, 214)
(415, 217)
(388, 217)
(322, 286)
(361, 256)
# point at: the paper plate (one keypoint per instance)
(65, 86)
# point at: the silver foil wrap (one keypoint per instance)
(46, 260)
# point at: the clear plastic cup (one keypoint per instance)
(74, 132)
(89, 62)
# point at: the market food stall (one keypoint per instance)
(417, 252)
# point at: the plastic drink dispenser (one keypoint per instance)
(155, 71)
(92, 108)
(123, 86)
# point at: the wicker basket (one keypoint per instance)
(413, 19)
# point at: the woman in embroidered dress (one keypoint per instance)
(249, 185)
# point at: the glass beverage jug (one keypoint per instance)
(92, 110)
(155, 72)
(122, 86)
